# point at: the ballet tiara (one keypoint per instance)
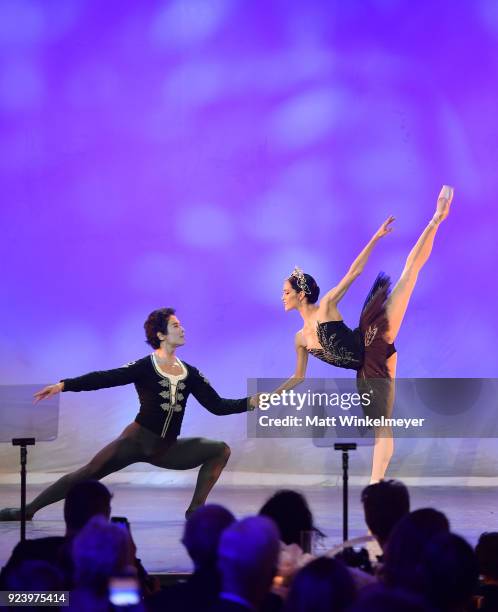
(298, 274)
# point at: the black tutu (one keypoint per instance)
(373, 377)
(364, 348)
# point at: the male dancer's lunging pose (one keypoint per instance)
(163, 384)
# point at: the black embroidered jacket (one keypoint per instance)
(159, 412)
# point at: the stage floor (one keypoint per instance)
(156, 515)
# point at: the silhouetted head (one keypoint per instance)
(202, 533)
(299, 288)
(101, 550)
(84, 500)
(291, 513)
(487, 555)
(407, 544)
(384, 504)
(163, 326)
(324, 584)
(248, 558)
(449, 572)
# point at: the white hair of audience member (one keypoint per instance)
(202, 532)
(101, 550)
(248, 557)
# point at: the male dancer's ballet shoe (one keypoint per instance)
(443, 203)
(13, 514)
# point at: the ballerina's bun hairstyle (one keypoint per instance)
(300, 281)
(157, 321)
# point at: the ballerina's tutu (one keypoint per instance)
(364, 348)
(373, 376)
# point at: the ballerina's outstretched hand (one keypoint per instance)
(385, 228)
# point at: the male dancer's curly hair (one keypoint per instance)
(157, 321)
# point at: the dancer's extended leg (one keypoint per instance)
(395, 310)
(400, 296)
(188, 453)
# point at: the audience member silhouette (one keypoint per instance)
(84, 500)
(290, 511)
(407, 544)
(384, 504)
(247, 560)
(201, 538)
(449, 573)
(34, 576)
(324, 585)
(101, 551)
(487, 558)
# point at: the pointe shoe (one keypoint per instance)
(446, 193)
(443, 203)
(13, 514)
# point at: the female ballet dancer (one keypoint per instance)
(163, 384)
(368, 349)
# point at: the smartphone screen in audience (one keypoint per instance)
(124, 591)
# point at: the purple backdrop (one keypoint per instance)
(190, 153)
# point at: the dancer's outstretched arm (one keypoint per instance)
(209, 398)
(301, 365)
(102, 379)
(335, 295)
(299, 373)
